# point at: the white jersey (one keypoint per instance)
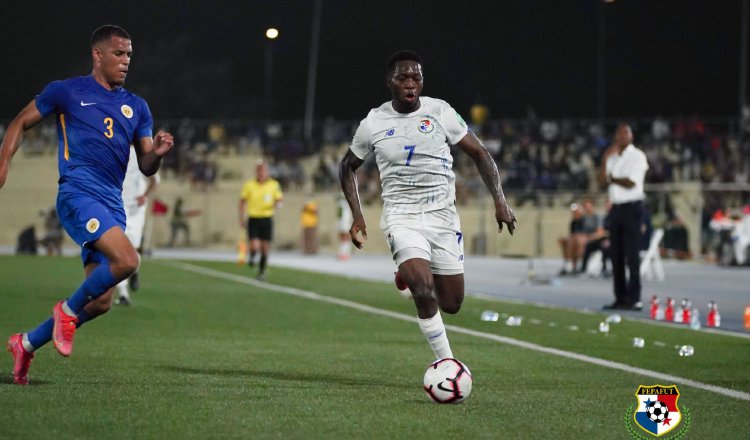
(135, 183)
(631, 164)
(343, 215)
(413, 155)
(134, 186)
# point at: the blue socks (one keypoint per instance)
(43, 334)
(94, 286)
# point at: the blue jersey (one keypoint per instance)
(95, 128)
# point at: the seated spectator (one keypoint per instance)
(53, 232)
(584, 226)
(599, 241)
(675, 243)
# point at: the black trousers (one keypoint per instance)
(625, 242)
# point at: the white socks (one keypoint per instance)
(345, 249)
(122, 289)
(434, 330)
(26, 344)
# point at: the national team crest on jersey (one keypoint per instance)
(426, 126)
(126, 111)
(92, 225)
(656, 411)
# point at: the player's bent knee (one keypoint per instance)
(423, 292)
(451, 307)
(127, 265)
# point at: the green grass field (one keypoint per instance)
(199, 356)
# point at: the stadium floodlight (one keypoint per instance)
(272, 33)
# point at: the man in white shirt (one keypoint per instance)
(136, 189)
(624, 169)
(410, 136)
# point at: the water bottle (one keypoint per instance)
(695, 320)
(489, 315)
(514, 321)
(686, 350)
(614, 319)
(654, 307)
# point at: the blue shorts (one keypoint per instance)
(86, 219)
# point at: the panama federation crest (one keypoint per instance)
(426, 126)
(656, 411)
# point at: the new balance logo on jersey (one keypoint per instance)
(84, 104)
(390, 132)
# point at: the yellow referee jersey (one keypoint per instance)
(261, 198)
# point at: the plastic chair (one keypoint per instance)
(651, 267)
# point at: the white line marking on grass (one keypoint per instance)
(662, 377)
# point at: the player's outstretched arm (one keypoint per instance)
(152, 150)
(349, 185)
(27, 118)
(472, 146)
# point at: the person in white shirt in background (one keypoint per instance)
(624, 169)
(136, 189)
(343, 222)
(410, 136)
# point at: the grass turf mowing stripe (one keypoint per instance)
(503, 339)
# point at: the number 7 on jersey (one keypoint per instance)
(409, 148)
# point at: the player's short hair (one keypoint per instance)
(403, 55)
(106, 32)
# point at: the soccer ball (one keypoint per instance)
(448, 381)
(657, 411)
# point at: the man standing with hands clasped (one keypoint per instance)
(623, 169)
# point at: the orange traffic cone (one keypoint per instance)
(241, 251)
(747, 317)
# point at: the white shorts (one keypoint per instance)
(135, 220)
(434, 236)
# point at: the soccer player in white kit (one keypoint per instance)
(411, 137)
(136, 189)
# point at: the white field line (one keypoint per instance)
(662, 377)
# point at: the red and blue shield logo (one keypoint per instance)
(426, 126)
(657, 412)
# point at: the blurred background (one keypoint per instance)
(542, 83)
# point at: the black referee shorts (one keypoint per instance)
(260, 228)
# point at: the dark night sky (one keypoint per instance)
(205, 59)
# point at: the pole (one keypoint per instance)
(743, 60)
(600, 61)
(268, 67)
(312, 70)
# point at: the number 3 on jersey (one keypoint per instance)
(108, 122)
(410, 149)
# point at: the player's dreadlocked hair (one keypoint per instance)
(106, 32)
(403, 55)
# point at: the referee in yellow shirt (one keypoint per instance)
(258, 201)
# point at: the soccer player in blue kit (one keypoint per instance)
(97, 120)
